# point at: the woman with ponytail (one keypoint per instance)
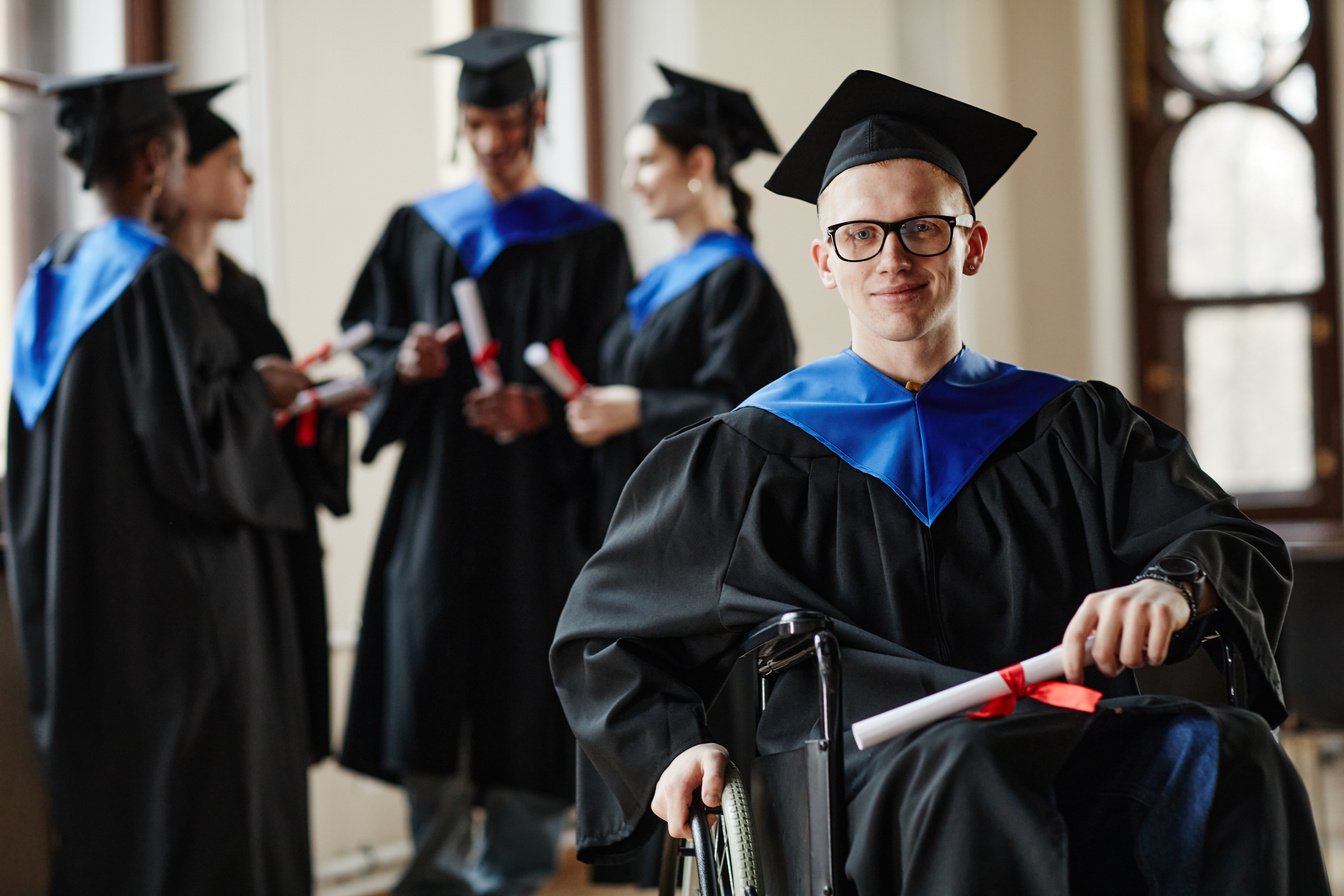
(706, 328)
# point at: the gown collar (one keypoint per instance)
(924, 445)
(61, 299)
(666, 281)
(479, 228)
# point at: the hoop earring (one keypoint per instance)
(694, 185)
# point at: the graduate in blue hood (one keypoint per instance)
(480, 540)
(147, 498)
(707, 327)
(953, 515)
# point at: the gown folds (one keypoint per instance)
(480, 541)
(147, 500)
(948, 533)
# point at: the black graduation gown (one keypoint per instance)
(322, 473)
(480, 541)
(154, 606)
(745, 516)
(699, 355)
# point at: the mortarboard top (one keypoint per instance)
(872, 117)
(206, 131)
(495, 71)
(724, 118)
(94, 107)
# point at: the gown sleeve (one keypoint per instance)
(383, 295)
(197, 408)
(746, 342)
(640, 649)
(1161, 505)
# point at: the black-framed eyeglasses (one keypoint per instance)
(923, 235)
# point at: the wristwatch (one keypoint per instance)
(1184, 574)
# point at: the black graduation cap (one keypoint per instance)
(206, 131)
(725, 119)
(94, 108)
(495, 71)
(872, 117)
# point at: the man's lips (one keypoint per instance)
(897, 292)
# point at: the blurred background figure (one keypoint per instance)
(452, 696)
(147, 496)
(705, 328)
(316, 448)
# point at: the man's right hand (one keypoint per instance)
(702, 766)
(424, 352)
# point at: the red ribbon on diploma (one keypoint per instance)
(561, 357)
(1056, 693)
(488, 354)
(321, 353)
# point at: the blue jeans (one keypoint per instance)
(516, 852)
(1146, 781)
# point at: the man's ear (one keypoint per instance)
(821, 257)
(976, 243)
(539, 111)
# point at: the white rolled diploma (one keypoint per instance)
(967, 696)
(353, 339)
(538, 357)
(476, 331)
(325, 395)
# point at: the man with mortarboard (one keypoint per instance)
(482, 535)
(953, 515)
(146, 498)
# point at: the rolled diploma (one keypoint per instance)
(477, 332)
(321, 396)
(358, 336)
(964, 697)
(538, 357)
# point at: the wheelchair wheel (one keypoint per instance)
(724, 863)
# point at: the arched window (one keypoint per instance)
(1234, 238)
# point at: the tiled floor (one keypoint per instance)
(1319, 757)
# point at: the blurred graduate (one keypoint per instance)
(481, 537)
(147, 497)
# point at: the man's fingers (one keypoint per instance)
(448, 333)
(711, 785)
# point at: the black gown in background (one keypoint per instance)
(322, 473)
(154, 606)
(699, 355)
(746, 516)
(480, 541)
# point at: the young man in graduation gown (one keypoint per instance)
(146, 495)
(316, 446)
(953, 515)
(481, 538)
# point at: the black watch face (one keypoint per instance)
(1178, 567)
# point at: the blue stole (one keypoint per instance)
(59, 302)
(924, 445)
(666, 281)
(478, 228)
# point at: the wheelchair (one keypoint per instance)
(778, 841)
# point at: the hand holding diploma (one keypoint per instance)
(423, 354)
(600, 412)
(1031, 677)
(336, 393)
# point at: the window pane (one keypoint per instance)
(1235, 45)
(1248, 396)
(1243, 207)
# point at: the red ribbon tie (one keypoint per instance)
(1056, 693)
(487, 354)
(562, 359)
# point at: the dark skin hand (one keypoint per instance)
(509, 411)
(282, 379)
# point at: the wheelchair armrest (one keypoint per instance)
(785, 640)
